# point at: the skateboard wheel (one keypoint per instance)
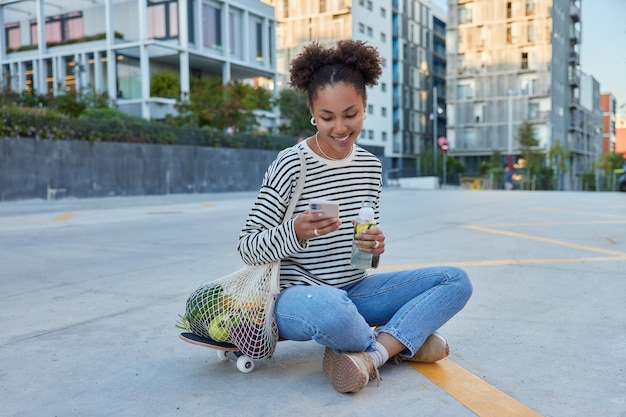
(245, 364)
(221, 354)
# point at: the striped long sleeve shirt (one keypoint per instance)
(324, 260)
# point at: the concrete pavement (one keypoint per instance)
(90, 291)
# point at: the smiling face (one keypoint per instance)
(338, 110)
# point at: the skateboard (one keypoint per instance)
(225, 351)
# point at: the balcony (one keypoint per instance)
(574, 58)
(574, 11)
(574, 36)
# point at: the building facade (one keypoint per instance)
(516, 61)
(588, 128)
(398, 124)
(608, 103)
(620, 136)
(418, 75)
(114, 46)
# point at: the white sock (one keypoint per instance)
(380, 355)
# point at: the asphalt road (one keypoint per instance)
(90, 291)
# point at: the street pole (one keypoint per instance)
(445, 165)
(510, 132)
(435, 132)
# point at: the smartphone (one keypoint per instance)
(329, 208)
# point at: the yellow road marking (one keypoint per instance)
(499, 262)
(208, 205)
(474, 393)
(543, 239)
(63, 217)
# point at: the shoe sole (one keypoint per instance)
(343, 372)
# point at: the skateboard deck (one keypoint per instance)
(207, 342)
(225, 351)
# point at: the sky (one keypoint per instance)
(603, 47)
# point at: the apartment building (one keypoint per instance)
(587, 125)
(114, 46)
(608, 103)
(515, 61)
(398, 124)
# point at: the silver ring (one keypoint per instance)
(315, 232)
(376, 244)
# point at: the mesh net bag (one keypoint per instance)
(237, 309)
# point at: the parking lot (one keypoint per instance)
(90, 290)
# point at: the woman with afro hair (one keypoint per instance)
(363, 318)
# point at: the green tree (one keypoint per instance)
(559, 158)
(496, 171)
(484, 168)
(533, 157)
(69, 104)
(165, 83)
(74, 105)
(294, 110)
(608, 162)
(223, 106)
(454, 169)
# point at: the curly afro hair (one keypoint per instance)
(351, 62)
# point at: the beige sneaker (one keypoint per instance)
(349, 371)
(434, 349)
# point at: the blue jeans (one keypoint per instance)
(411, 304)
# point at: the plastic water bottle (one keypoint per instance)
(364, 221)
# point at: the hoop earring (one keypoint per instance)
(313, 122)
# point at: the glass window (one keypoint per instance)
(128, 77)
(59, 28)
(524, 60)
(463, 92)
(533, 111)
(531, 33)
(12, 34)
(211, 26)
(235, 33)
(465, 13)
(259, 41)
(162, 19)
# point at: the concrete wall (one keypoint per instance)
(29, 169)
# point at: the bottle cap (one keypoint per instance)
(366, 212)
